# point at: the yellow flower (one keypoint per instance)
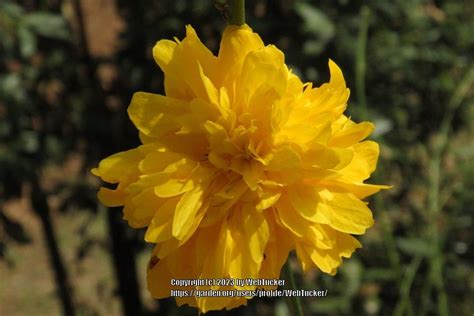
(241, 163)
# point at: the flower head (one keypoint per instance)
(241, 163)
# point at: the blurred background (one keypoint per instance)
(68, 69)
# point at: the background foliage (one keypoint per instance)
(68, 69)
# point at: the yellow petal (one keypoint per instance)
(276, 253)
(209, 92)
(192, 58)
(290, 217)
(263, 79)
(161, 224)
(351, 133)
(346, 244)
(305, 199)
(192, 46)
(345, 212)
(111, 198)
(337, 78)
(250, 170)
(140, 208)
(327, 158)
(233, 189)
(159, 279)
(326, 260)
(212, 251)
(359, 190)
(185, 212)
(249, 235)
(119, 167)
(173, 187)
(316, 236)
(191, 145)
(268, 198)
(306, 263)
(177, 178)
(206, 304)
(364, 161)
(162, 159)
(163, 53)
(283, 158)
(154, 114)
(237, 42)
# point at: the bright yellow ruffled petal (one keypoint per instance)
(154, 114)
(237, 42)
(140, 208)
(305, 199)
(111, 198)
(249, 235)
(350, 133)
(163, 53)
(160, 228)
(364, 161)
(120, 166)
(290, 217)
(263, 76)
(192, 58)
(213, 251)
(161, 159)
(276, 253)
(327, 157)
(345, 212)
(359, 190)
(158, 279)
(186, 211)
(326, 254)
(268, 198)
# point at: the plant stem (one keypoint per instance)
(361, 61)
(405, 287)
(440, 144)
(236, 12)
(295, 299)
(392, 253)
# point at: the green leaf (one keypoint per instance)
(414, 246)
(313, 47)
(382, 126)
(315, 22)
(48, 25)
(330, 305)
(29, 141)
(352, 272)
(11, 86)
(11, 9)
(380, 274)
(27, 41)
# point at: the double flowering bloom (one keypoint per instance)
(240, 164)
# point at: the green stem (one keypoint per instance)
(425, 296)
(405, 287)
(392, 252)
(434, 180)
(295, 299)
(236, 12)
(361, 64)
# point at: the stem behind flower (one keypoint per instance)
(234, 11)
(295, 299)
